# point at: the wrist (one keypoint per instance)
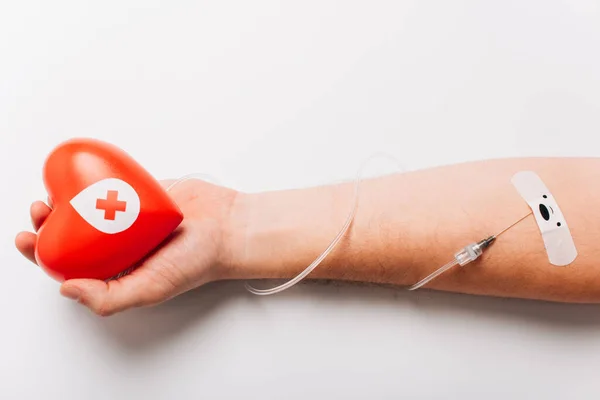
(275, 235)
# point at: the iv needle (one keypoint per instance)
(475, 249)
(513, 224)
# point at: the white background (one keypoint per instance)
(278, 94)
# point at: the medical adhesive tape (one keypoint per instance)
(552, 224)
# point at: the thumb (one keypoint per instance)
(107, 298)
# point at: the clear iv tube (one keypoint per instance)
(437, 273)
(184, 178)
(334, 242)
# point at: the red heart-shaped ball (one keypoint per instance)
(108, 212)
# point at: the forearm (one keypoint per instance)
(407, 225)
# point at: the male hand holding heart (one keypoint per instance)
(190, 257)
(171, 245)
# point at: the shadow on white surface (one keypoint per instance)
(149, 329)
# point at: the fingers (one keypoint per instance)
(25, 243)
(108, 298)
(39, 212)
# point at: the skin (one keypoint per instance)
(407, 225)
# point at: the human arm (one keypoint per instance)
(406, 226)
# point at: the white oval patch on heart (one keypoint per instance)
(110, 205)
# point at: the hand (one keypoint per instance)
(193, 256)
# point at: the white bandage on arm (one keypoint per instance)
(553, 226)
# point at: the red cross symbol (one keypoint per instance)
(111, 205)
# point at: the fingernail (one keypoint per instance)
(72, 293)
